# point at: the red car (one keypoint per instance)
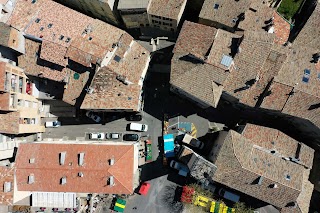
(144, 188)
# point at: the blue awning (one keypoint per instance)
(168, 145)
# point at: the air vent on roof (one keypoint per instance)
(216, 6)
(33, 1)
(31, 179)
(90, 38)
(80, 174)
(81, 158)
(89, 90)
(260, 180)
(7, 186)
(61, 37)
(288, 177)
(273, 151)
(273, 186)
(110, 181)
(63, 180)
(122, 79)
(253, 10)
(68, 40)
(31, 160)
(41, 28)
(50, 25)
(37, 20)
(111, 161)
(62, 157)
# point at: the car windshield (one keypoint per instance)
(99, 135)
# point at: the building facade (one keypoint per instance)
(20, 112)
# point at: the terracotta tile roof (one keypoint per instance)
(195, 39)
(66, 33)
(309, 35)
(256, 17)
(226, 11)
(75, 86)
(196, 66)
(55, 21)
(96, 169)
(33, 66)
(223, 40)
(6, 176)
(284, 145)
(304, 105)
(278, 97)
(53, 53)
(281, 29)
(270, 68)
(255, 49)
(299, 58)
(166, 8)
(5, 34)
(304, 198)
(241, 163)
(110, 93)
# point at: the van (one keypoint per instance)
(52, 124)
(138, 127)
(229, 195)
(188, 139)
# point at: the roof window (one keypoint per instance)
(81, 158)
(37, 20)
(31, 179)
(61, 37)
(33, 1)
(63, 180)
(62, 157)
(50, 25)
(306, 76)
(117, 58)
(216, 6)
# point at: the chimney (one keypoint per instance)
(111, 181)
(274, 186)
(111, 161)
(80, 174)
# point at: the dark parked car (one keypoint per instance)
(131, 137)
(134, 117)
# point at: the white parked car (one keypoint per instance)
(98, 136)
(138, 127)
(52, 124)
(113, 135)
(94, 117)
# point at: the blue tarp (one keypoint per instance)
(168, 145)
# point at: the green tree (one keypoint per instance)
(241, 208)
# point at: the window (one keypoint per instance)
(216, 6)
